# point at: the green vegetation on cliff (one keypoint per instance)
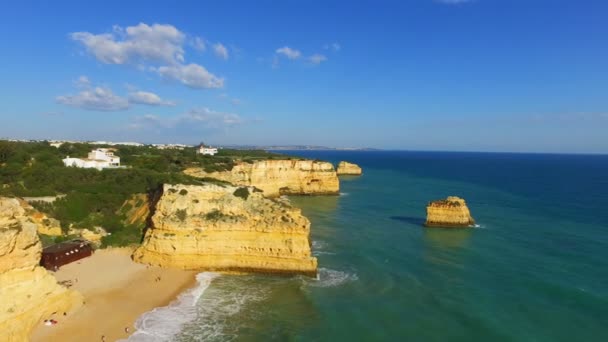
(94, 198)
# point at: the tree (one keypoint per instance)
(7, 149)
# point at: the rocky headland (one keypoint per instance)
(345, 168)
(279, 177)
(449, 212)
(28, 293)
(227, 228)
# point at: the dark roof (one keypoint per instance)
(65, 246)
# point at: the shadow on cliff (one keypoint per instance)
(154, 196)
(418, 221)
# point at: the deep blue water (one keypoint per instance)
(535, 270)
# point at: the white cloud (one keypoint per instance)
(220, 51)
(191, 75)
(333, 46)
(197, 118)
(317, 58)
(198, 44)
(147, 98)
(232, 100)
(82, 82)
(210, 118)
(135, 43)
(289, 52)
(98, 98)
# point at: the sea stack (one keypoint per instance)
(216, 227)
(346, 168)
(28, 293)
(449, 212)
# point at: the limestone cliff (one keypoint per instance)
(280, 177)
(44, 224)
(346, 168)
(28, 293)
(450, 212)
(226, 228)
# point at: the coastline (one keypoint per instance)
(117, 291)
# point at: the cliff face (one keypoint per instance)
(280, 177)
(346, 168)
(28, 293)
(450, 212)
(44, 224)
(226, 228)
(136, 209)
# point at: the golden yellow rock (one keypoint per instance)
(280, 177)
(346, 168)
(227, 228)
(44, 224)
(450, 212)
(95, 235)
(28, 293)
(136, 209)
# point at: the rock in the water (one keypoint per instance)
(28, 293)
(450, 212)
(227, 228)
(346, 168)
(280, 177)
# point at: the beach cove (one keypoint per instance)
(116, 291)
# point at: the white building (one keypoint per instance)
(100, 158)
(206, 150)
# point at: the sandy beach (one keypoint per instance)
(117, 291)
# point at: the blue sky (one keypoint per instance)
(480, 75)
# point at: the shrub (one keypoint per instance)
(129, 235)
(181, 214)
(242, 192)
(183, 192)
(127, 207)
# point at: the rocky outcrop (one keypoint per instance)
(93, 235)
(226, 228)
(346, 168)
(450, 212)
(44, 224)
(28, 293)
(136, 210)
(280, 177)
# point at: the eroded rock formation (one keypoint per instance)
(280, 177)
(450, 212)
(226, 228)
(28, 293)
(346, 168)
(136, 210)
(44, 224)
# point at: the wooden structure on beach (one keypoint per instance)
(64, 253)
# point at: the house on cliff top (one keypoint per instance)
(101, 158)
(206, 150)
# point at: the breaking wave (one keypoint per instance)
(331, 278)
(162, 324)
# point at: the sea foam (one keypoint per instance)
(331, 278)
(162, 324)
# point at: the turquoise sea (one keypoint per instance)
(536, 268)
